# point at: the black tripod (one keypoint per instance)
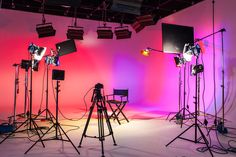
(195, 124)
(56, 125)
(98, 100)
(30, 122)
(181, 114)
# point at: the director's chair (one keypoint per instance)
(117, 101)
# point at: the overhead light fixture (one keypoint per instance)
(142, 21)
(137, 26)
(104, 32)
(45, 29)
(146, 20)
(122, 32)
(75, 32)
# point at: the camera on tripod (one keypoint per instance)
(97, 92)
(98, 86)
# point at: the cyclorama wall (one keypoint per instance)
(153, 81)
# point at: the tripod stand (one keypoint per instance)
(181, 115)
(16, 90)
(98, 100)
(29, 121)
(56, 125)
(195, 124)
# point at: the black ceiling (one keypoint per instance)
(116, 10)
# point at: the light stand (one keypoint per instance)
(99, 101)
(29, 121)
(220, 127)
(195, 124)
(181, 114)
(26, 90)
(58, 129)
(16, 90)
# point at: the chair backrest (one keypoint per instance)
(121, 92)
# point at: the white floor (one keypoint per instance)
(138, 138)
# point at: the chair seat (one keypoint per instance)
(117, 103)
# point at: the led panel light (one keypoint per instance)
(74, 32)
(122, 32)
(45, 30)
(104, 33)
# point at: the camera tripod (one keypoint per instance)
(56, 125)
(195, 124)
(99, 101)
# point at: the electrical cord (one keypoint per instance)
(41, 101)
(86, 106)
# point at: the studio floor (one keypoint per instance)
(141, 137)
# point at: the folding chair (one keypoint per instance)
(117, 102)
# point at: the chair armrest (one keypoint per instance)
(109, 95)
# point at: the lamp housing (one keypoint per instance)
(122, 32)
(45, 30)
(104, 32)
(75, 32)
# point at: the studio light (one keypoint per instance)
(37, 54)
(104, 32)
(179, 61)
(142, 21)
(45, 30)
(145, 52)
(74, 32)
(190, 51)
(122, 32)
(195, 69)
(53, 58)
(137, 26)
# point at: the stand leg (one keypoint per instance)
(39, 139)
(180, 135)
(87, 123)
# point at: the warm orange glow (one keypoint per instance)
(145, 52)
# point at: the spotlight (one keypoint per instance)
(45, 30)
(36, 51)
(37, 54)
(190, 51)
(53, 59)
(145, 52)
(195, 69)
(179, 61)
(104, 32)
(74, 32)
(122, 32)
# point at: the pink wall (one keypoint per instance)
(152, 81)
